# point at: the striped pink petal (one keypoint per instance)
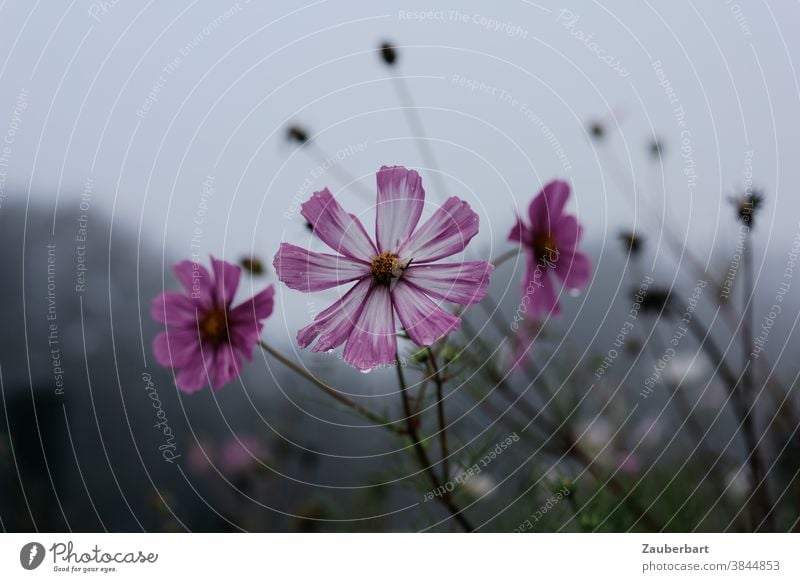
(372, 341)
(333, 326)
(463, 283)
(307, 271)
(445, 233)
(342, 232)
(424, 321)
(400, 202)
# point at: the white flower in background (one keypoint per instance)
(686, 369)
(739, 482)
(596, 434)
(479, 485)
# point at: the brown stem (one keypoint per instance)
(760, 507)
(376, 418)
(424, 461)
(440, 413)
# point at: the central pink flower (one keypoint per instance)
(398, 273)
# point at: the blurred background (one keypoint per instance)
(138, 134)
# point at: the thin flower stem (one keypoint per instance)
(424, 461)
(761, 506)
(788, 413)
(415, 122)
(340, 172)
(437, 378)
(504, 257)
(760, 502)
(566, 445)
(420, 396)
(376, 418)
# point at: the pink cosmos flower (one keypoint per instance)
(398, 273)
(551, 244)
(205, 337)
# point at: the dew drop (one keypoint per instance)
(367, 371)
(574, 292)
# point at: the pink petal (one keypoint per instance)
(520, 233)
(227, 366)
(176, 348)
(538, 294)
(226, 281)
(462, 283)
(244, 338)
(174, 309)
(445, 233)
(548, 206)
(309, 271)
(342, 232)
(400, 202)
(258, 307)
(192, 376)
(424, 321)
(244, 322)
(196, 279)
(333, 326)
(574, 270)
(372, 342)
(567, 233)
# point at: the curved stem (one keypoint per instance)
(376, 418)
(424, 461)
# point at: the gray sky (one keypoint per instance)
(149, 100)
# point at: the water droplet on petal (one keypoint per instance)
(574, 292)
(367, 371)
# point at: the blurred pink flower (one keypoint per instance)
(237, 454)
(205, 337)
(398, 273)
(551, 244)
(240, 453)
(628, 463)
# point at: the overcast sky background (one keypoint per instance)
(246, 70)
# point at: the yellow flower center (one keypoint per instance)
(544, 245)
(214, 326)
(385, 267)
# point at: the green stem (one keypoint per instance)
(376, 418)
